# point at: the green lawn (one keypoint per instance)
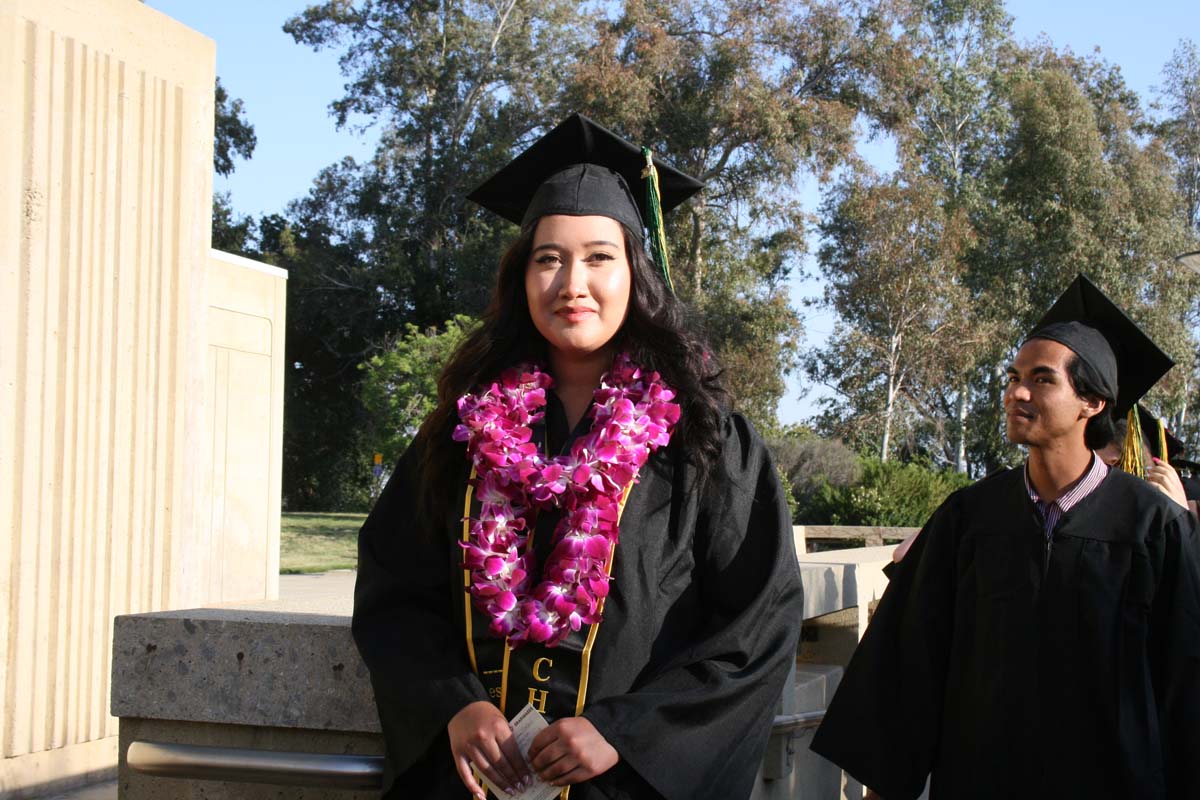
(318, 542)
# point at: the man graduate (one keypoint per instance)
(1042, 636)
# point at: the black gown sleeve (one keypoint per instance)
(883, 724)
(1175, 654)
(418, 663)
(697, 727)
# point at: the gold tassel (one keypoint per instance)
(1131, 452)
(1162, 439)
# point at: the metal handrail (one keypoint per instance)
(331, 771)
(244, 765)
(790, 723)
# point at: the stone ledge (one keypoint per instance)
(268, 668)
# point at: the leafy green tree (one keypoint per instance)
(1180, 131)
(455, 87)
(230, 232)
(338, 312)
(233, 136)
(1050, 165)
(964, 50)
(749, 97)
(891, 259)
(400, 383)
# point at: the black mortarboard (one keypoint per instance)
(1175, 447)
(581, 169)
(1100, 333)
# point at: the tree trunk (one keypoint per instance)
(695, 256)
(1183, 409)
(887, 419)
(960, 458)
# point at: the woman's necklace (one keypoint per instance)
(632, 416)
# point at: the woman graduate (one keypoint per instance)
(581, 525)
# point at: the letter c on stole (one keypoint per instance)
(537, 666)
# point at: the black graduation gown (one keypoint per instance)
(699, 629)
(1011, 669)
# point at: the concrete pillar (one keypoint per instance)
(105, 203)
(235, 548)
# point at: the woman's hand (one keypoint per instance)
(570, 751)
(481, 736)
(1164, 476)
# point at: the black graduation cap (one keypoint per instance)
(1175, 447)
(581, 168)
(1100, 333)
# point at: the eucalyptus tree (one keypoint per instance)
(1181, 128)
(750, 96)
(891, 257)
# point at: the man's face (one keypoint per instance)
(1041, 408)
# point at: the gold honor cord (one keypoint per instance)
(504, 677)
(467, 573)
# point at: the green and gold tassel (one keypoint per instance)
(1133, 455)
(658, 233)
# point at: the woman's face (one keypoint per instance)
(577, 282)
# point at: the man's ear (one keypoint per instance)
(1092, 406)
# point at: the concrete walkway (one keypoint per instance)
(97, 791)
(323, 592)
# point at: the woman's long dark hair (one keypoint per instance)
(657, 333)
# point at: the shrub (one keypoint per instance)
(889, 494)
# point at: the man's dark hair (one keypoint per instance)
(1087, 384)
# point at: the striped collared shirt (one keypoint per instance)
(1052, 511)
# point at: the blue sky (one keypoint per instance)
(287, 90)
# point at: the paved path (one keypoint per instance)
(329, 592)
(97, 791)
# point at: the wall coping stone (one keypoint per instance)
(264, 664)
(291, 663)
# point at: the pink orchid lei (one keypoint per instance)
(632, 416)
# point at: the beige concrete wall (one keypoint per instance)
(105, 195)
(244, 397)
